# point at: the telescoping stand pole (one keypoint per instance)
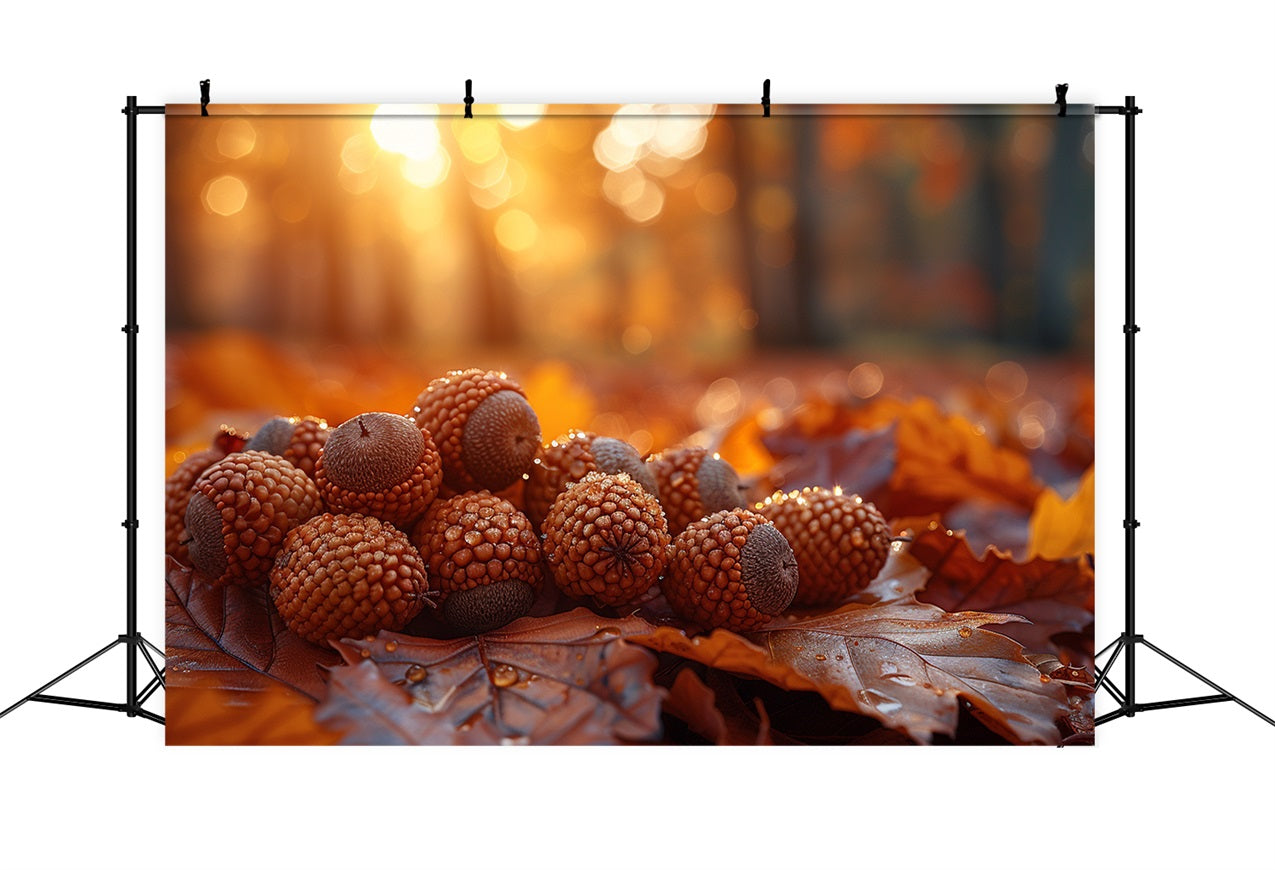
(132, 640)
(1129, 639)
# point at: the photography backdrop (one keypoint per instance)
(893, 301)
(950, 58)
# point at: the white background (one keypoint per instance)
(1182, 788)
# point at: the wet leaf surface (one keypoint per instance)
(568, 678)
(232, 638)
(905, 663)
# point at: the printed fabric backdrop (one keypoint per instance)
(641, 424)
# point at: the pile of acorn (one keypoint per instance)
(358, 527)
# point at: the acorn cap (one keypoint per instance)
(732, 569)
(841, 541)
(347, 575)
(569, 458)
(484, 558)
(485, 431)
(297, 439)
(239, 511)
(605, 538)
(380, 465)
(694, 483)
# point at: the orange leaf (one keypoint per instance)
(204, 715)
(1061, 529)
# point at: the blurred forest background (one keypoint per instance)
(647, 271)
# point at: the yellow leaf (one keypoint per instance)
(1061, 529)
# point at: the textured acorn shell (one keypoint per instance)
(177, 490)
(569, 458)
(256, 498)
(299, 440)
(841, 541)
(605, 539)
(400, 502)
(684, 495)
(347, 575)
(711, 582)
(178, 487)
(444, 409)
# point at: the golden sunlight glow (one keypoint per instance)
(520, 115)
(236, 138)
(516, 230)
(655, 140)
(429, 171)
(359, 152)
(479, 141)
(225, 195)
(414, 136)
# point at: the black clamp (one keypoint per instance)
(1060, 99)
(765, 98)
(1130, 329)
(1131, 524)
(129, 524)
(205, 85)
(131, 328)
(469, 98)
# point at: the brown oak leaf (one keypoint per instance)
(902, 662)
(568, 678)
(1057, 596)
(232, 638)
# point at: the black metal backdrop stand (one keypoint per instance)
(1129, 639)
(135, 645)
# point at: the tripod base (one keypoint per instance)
(133, 706)
(1127, 705)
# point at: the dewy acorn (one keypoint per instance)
(606, 539)
(693, 484)
(841, 541)
(381, 465)
(346, 576)
(297, 439)
(484, 558)
(483, 427)
(239, 511)
(732, 569)
(177, 490)
(569, 458)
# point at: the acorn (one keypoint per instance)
(605, 538)
(484, 559)
(297, 439)
(569, 458)
(177, 490)
(841, 541)
(484, 428)
(732, 569)
(347, 575)
(239, 511)
(694, 483)
(381, 465)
